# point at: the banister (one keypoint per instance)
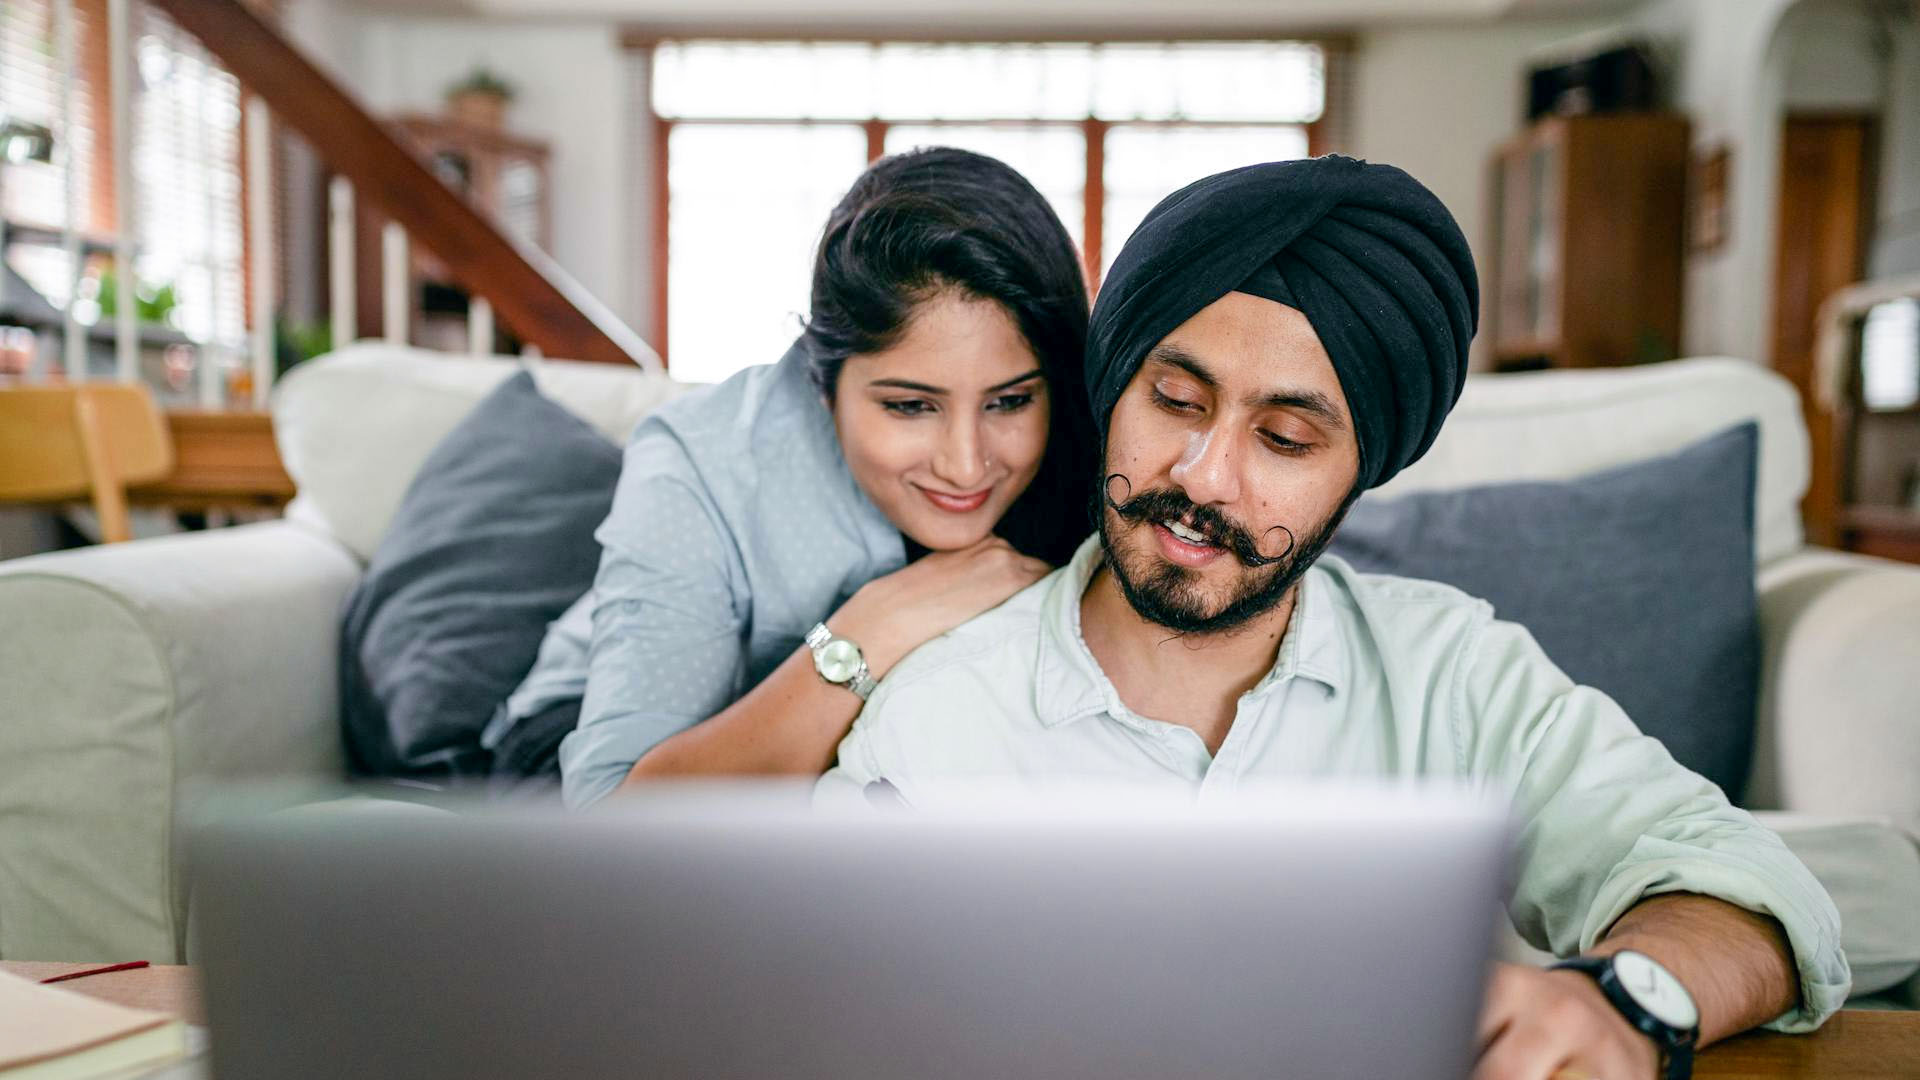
(530, 293)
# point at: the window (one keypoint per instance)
(186, 156)
(761, 138)
(1890, 356)
(33, 194)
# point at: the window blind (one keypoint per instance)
(185, 141)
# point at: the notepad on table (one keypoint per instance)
(47, 1033)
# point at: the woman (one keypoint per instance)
(917, 457)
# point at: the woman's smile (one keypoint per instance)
(956, 504)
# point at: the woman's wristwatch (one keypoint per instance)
(1651, 999)
(839, 661)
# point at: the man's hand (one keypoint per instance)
(1537, 1024)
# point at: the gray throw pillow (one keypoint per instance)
(1638, 581)
(493, 540)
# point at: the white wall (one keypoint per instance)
(1436, 100)
(1432, 98)
(1832, 58)
(572, 83)
(1741, 64)
(1896, 242)
(1839, 55)
(1728, 81)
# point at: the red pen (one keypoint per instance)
(128, 966)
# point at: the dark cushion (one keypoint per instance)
(1638, 581)
(493, 540)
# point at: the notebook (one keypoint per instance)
(47, 1033)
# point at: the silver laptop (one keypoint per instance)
(743, 933)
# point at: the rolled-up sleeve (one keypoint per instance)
(1608, 818)
(668, 612)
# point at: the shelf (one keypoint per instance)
(26, 232)
(1866, 412)
(1892, 519)
(1891, 532)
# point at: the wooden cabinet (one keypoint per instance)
(1587, 217)
(505, 176)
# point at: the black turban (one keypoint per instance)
(1371, 258)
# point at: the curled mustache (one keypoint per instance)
(1167, 504)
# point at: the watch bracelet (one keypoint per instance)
(1676, 1053)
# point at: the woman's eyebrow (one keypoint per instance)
(1035, 373)
(908, 384)
(920, 387)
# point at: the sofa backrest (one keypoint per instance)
(1560, 424)
(354, 426)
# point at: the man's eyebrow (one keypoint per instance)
(1176, 356)
(1310, 401)
(909, 384)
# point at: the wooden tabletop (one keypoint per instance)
(168, 988)
(1856, 1044)
(221, 457)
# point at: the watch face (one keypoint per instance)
(1656, 990)
(838, 661)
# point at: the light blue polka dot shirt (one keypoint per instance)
(735, 527)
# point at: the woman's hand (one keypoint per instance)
(793, 721)
(891, 616)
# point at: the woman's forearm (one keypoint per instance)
(790, 724)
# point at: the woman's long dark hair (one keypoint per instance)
(918, 223)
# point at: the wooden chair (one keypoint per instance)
(86, 441)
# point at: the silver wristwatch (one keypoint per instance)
(838, 661)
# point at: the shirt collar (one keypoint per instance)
(1069, 684)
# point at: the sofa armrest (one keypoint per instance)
(1839, 725)
(135, 674)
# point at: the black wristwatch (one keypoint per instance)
(1652, 1000)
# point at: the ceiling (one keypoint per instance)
(1003, 17)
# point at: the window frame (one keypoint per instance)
(101, 218)
(1322, 132)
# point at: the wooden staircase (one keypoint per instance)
(536, 300)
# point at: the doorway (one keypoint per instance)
(1825, 214)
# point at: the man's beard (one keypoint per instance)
(1172, 596)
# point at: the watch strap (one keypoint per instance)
(1674, 1044)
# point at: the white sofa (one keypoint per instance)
(132, 676)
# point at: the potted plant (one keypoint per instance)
(480, 99)
(153, 304)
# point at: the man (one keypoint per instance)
(1271, 342)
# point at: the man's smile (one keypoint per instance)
(1181, 551)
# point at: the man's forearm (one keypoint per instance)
(1737, 965)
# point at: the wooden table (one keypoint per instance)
(169, 988)
(1856, 1044)
(222, 459)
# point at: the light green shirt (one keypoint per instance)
(1376, 677)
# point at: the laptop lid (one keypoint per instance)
(739, 933)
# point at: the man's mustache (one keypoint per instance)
(1168, 504)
